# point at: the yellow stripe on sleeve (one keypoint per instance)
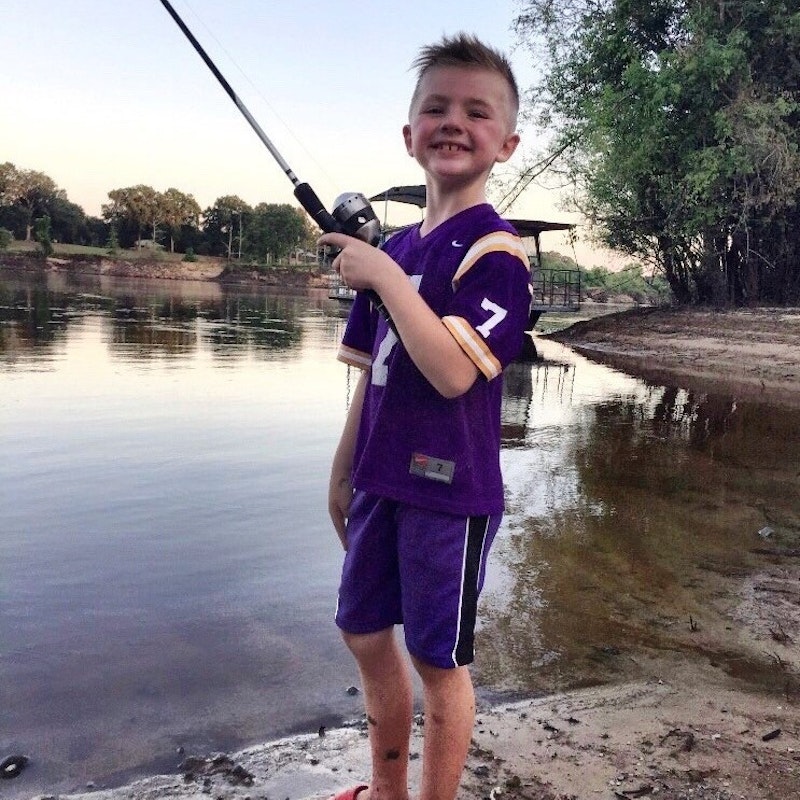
(355, 358)
(473, 345)
(497, 242)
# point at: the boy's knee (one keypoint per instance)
(370, 646)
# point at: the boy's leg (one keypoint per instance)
(388, 702)
(449, 719)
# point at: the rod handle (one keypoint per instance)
(307, 198)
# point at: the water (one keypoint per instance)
(168, 572)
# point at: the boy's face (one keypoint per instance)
(461, 124)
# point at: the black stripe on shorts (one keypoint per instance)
(477, 528)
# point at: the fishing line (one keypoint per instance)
(352, 213)
(260, 94)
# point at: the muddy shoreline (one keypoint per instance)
(750, 354)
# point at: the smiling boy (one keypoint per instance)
(416, 493)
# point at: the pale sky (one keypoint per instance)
(102, 95)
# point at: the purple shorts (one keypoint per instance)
(422, 569)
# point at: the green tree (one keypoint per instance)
(224, 223)
(28, 190)
(678, 127)
(273, 231)
(68, 221)
(42, 235)
(178, 209)
(137, 207)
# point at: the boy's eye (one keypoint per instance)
(432, 110)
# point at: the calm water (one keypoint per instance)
(167, 569)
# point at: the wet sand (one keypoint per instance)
(681, 726)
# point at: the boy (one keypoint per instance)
(416, 475)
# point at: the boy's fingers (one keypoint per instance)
(334, 239)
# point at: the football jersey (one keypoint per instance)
(413, 444)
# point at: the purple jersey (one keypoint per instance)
(414, 445)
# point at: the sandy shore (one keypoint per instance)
(688, 729)
(753, 354)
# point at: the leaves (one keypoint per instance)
(677, 123)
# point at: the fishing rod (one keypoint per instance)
(352, 213)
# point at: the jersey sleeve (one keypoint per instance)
(491, 301)
(355, 348)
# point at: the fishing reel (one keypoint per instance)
(355, 216)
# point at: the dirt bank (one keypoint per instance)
(752, 353)
(165, 267)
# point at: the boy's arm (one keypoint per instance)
(432, 348)
(340, 490)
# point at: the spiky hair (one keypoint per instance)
(464, 50)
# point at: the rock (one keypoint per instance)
(12, 766)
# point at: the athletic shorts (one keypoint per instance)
(422, 569)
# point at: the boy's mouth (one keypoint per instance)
(450, 147)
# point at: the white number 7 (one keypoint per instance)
(498, 315)
(380, 369)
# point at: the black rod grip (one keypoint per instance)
(307, 198)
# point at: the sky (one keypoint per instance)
(103, 95)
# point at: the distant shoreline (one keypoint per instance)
(162, 267)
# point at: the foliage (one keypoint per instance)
(113, 241)
(140, 213)
(190, 256)
(223, 225)
(177, 209)
(42, 235)
(6, 237)
(678, 126)
(29, 190)
(274, 230)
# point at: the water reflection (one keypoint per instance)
(149, 320)
(627, 513)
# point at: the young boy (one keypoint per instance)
(416, 494)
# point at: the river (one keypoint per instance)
(168, 572)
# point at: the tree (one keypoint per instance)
(678, 126)
(223, 223)
(274, 231)
(68, 221)
(178, 209)
(28, 190)
(42, 235)
(134, 208)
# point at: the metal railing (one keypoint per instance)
(555, 289)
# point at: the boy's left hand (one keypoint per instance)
(361, 265)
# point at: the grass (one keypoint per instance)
(132, 254)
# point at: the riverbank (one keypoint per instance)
(683, 727)
(746, 353)
(165, 267)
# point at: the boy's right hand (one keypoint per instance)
(340, 495)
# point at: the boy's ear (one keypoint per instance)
(508, 148)
(407, 139)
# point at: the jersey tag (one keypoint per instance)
(436, 469)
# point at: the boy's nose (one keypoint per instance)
(452, 121)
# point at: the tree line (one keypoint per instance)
(32, 206)
(677, 126)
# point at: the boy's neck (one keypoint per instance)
(441, 204)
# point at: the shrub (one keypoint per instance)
(42, 235)
(6, 237)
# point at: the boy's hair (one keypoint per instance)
(465, 50)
